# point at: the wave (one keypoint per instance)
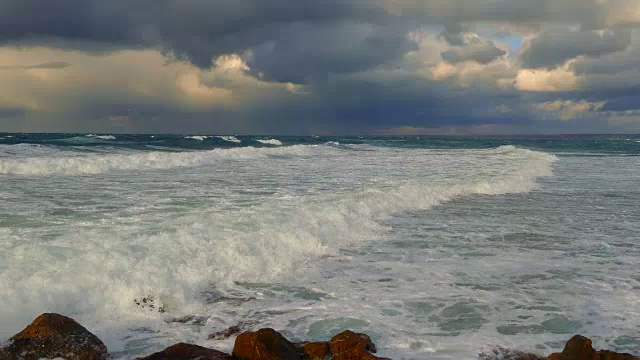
(23, 150)
(258, 243)
(103, 137)
(87, 139)
(275, 142)
(197, 137)
(232, 139)
(57, 163)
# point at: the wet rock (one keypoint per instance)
(264, 344)
(225, 334)
(317, 350)
(349, 345)
(581, 348)
(54, 336)
(182, 351)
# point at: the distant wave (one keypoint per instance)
(232, 139)
(197, 137)
(103, 137)
(50, 161)
(38, 160)
(275, 142)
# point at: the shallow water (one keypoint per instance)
(437, 248)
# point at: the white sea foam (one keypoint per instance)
(232, 139)
(321, 238)
(94, 269)
(86, 163)
(275, 142)
(197, 137)
(103, 137)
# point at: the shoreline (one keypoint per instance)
(55, 336)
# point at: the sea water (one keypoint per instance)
(438, 248)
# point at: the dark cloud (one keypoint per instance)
(360, 63)
(192, 29)
(551, 49)
(10, 112)
(303, 52)
(482, 53)
(468, 46)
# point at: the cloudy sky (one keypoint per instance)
(320, 66)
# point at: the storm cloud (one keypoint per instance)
(276, 66)
(551, 49)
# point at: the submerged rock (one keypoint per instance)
(580, 348)
(183, 351)
(54, 336)
(225, 334)
(501, 353)
(149, 302)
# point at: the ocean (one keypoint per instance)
(438, 248)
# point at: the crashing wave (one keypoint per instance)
(275, 142)
(103, 137)
(232, 139)
(197, 137)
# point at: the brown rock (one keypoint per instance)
(182, 351)
(317, 350)
(264, 344)
(53, 335)
(580, 348)
(349, 345)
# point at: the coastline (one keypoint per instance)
(55, 336)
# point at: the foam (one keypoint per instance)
(197, 137)
(103, 137)
(232, 139)
(275, 142)
(94, 269)
(84, 163)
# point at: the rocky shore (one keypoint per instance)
(54, 336)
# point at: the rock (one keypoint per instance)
(225, 334)
(317, 350)
(55, 336)
(264, 344)
(349, 345)
(580, 348)
(182, 351)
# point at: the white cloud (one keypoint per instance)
(560, 79)
(428, 63)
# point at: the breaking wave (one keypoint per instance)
(275, 142)
(217, 248)
(197, 137)
(52, 162)
(232, 139)
(103, 137)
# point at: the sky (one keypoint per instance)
(315, 67)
